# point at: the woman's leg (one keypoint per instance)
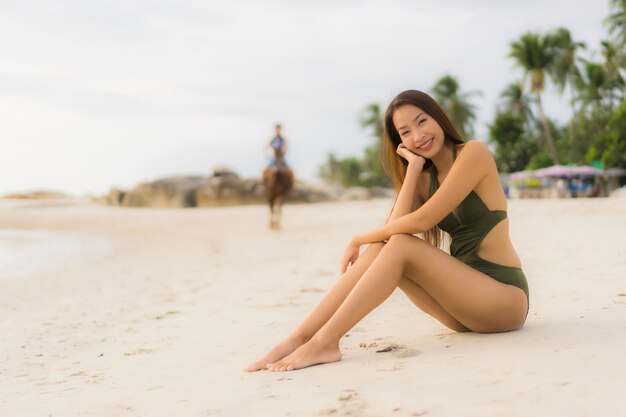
(322, 312)
(475, 300)
(429, 305)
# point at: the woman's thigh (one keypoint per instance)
(429, 305)
(476, 300)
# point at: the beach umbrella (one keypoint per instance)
(614, 172)
(563, 171)
(521, 175)
(586, 171)
(554, 171)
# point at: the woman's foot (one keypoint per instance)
(281, 350)
(311, 353)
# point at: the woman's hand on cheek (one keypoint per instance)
(412, 158)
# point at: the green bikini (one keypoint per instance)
(468, 225)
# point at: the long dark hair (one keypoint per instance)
(393, 164)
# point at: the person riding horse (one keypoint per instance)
(277, 178)
(278, 145)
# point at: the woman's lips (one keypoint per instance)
(426, 145)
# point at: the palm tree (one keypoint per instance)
(535, 54)
(371, 117)
(516, 102)
(596, 85)
(564, 71)
(456, 104)
(616, 21)
(613, 59)
(565, 66)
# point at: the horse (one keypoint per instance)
(278, 182)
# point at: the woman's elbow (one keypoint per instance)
(412, 227)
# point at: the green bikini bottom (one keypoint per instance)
(501, 273)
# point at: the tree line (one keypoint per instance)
(521, 134)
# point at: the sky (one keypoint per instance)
(109, 93)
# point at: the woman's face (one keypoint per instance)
(419, 132)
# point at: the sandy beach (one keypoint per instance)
(152, 312)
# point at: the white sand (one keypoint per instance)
(146, 312)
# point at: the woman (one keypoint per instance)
(443, 184)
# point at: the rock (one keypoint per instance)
(226, 187)
(174, 192)
(310, 193)
(382, 192)
(223, 171)
(115, 197)
(356, 193)
(37, 195)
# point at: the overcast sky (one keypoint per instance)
(102, 93)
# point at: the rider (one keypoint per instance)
(278, 146)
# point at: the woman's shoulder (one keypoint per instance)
(475, 150)
(474, 146)
(476, 154)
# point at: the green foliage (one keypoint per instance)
(372, 118)
(537, 55)
(522, 135)
(616, 21)
(614, 154)
(456, 104)
(599, 84)
(353, 171)
(586, 140)
(344, 171)
(540, 160)
(366, 171)
(533, 52)
(514, 148)
(373, 173)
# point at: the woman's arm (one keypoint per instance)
(407, 200)
(472, 165)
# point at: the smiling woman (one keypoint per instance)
(479, 286)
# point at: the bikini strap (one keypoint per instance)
(433, 180)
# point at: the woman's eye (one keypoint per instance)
(421, 121)
(404, 133)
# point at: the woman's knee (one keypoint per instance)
(403, 239)
(377, 245)
(402, 245)
(372, 251)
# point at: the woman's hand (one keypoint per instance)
(412, 158)
(350, 255)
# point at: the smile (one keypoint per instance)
(426, 145)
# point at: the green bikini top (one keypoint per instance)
(469, 222)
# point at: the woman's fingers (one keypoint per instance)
(350, 256)
(403, 151)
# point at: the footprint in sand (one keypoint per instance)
(391, 348)
(396, 367)
(312, 290)
(350, 404)
(409, 353)
(169, 313)
(140, 351)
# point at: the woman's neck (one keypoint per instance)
(444, 158)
